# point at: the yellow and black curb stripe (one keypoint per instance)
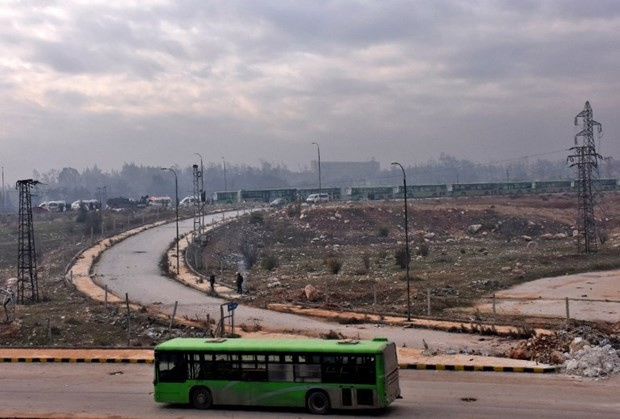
(34, 360)
(483, 368)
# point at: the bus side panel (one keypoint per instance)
(280, 394)
(172, 393)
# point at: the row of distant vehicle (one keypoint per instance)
(93, 204)
(315, 198)
(62, 206)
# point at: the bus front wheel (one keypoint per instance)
(318, 403)
(201, 398)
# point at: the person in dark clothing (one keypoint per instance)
(212, 282)
(239, 283)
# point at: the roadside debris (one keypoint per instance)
(584, 350)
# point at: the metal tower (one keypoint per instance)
(27, 283)
(586, 159)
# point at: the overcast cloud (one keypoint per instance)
(104, 82)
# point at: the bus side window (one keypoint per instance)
(307, 369)
(226, 367)
(280, 368)
(254, 367)
(195, 366)
(172, 368)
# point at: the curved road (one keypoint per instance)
(132, 267)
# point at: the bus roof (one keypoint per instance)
(275, 345)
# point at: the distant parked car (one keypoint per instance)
(278, 202)
(88, 204)
(54, 206)
(189, 201)
(316, 198)
(159, 201)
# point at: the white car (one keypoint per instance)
(54, 206)
(316, 198)
(188, 201)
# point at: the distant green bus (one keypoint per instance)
(312, 373)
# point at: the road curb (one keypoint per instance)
(478, 368)
(411, 366)
(45, 360)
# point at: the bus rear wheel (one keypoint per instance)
(201, 398)
(318, 403)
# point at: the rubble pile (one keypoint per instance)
(546, 349)
(591, 361)
(580, 349)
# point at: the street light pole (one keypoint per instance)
(406, 241)
(176, 195)
(318, 149)
(202, 189)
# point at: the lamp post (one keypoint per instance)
(202, 188)
(406, 241)
(318, 149)
(176, 195)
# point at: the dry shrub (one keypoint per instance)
(269, 262)
(401, 257)
(333, 263)
(332, 335)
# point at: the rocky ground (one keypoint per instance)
(344, 257)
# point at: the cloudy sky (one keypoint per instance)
(152, 82)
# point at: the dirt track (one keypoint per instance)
(592, 296)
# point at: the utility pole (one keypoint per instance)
(586, 159)
(318, 150)
(27, 281)
(3, 199)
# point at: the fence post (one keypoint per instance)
(494, 311)
(128, 320)
(105, 296)
(567, 310)
(326, 294)
(374, 294)
(174, 313)
(428, 301)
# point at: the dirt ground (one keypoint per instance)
(343, 256)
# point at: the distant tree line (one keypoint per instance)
(135, 181)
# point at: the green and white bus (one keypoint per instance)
(313, 373)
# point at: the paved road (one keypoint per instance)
(91, 390)
(132, 266)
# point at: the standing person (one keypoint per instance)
(212, 281)
(239, 283)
